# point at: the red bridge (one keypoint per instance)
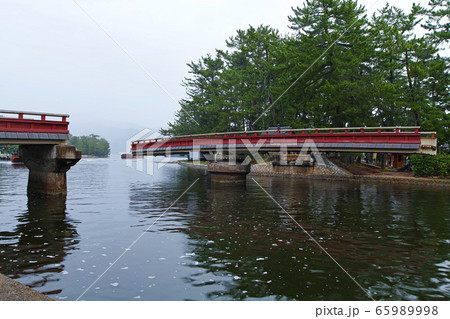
(17, 127)
(43, 148)
(405, 140)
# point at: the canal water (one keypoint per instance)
(223, 242)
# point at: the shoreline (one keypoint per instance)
(350, 177)
(365, 178)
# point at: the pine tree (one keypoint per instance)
(438, 23)
(203, 109)
(250, 64)
(336, 84)
(335, 69)
(388, 33)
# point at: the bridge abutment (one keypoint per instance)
(48, 165)
(225, 172)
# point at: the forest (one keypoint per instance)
(92, 145)
(337, 67)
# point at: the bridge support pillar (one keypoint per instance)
(47, 166)
(224, 172)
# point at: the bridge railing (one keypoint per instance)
(33, 122)
(303, 131)
(43, 116)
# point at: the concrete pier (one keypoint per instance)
(48, 165)
(224, 172)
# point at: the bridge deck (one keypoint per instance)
(380, 139)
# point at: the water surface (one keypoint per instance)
(223, 242)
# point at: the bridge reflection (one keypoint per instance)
(35, 250)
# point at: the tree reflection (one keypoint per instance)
(256, 251)
(241, 245)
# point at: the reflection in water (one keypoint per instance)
(244, 247)
(258, 252)
(222, 242)
(37, 246)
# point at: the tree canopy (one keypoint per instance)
(338, 67)
(92, 145)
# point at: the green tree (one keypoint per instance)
(336, 85)
(336, 68)
(389, 33)
(229, 91)
(410, 79)
(203, 109)
(438, 84)
(438, 23)
(91, 145)
(249, 75)
(74, 140)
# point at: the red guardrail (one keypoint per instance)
(402, 135)
(16, 121)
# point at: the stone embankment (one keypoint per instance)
(334, 172)
(328, 171)
(202, 167)
(11, 290)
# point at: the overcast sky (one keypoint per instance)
(53, 58)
